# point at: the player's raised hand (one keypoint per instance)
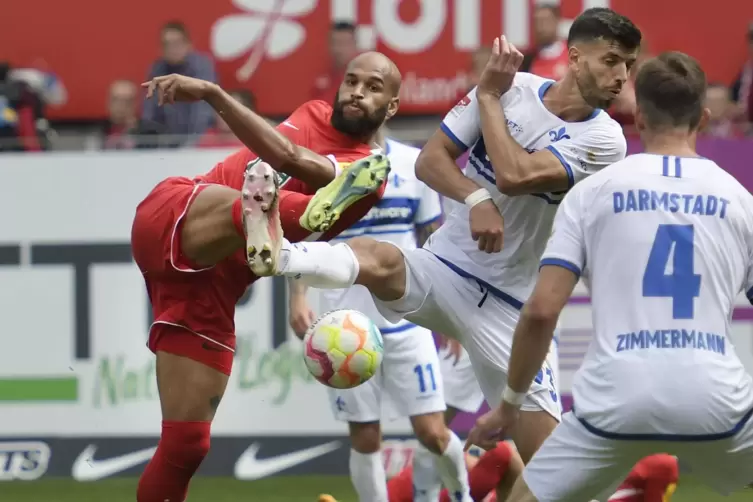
(487, 226)
(174, 87)
(500, 70)
(492, 427)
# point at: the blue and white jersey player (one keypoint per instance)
(664, 241)
(409, 382)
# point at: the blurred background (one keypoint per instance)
(79, 148)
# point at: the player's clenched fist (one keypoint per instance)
(487, 226)
(501, 68)
(172, 88)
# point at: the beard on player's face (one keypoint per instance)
(591, 91)
(357, 127)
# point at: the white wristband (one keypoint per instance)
(514, 398)
(477, 197)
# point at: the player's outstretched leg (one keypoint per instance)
(189, 395)
(361, 178)
(221, 220)
(379, 266)
(653, 479)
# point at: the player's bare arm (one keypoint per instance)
(436, 167)
(517, 172)
(253, 131)
(301, 316)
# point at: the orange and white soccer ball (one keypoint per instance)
(343, 349)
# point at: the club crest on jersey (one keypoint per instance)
(461, 105)
(558, 135)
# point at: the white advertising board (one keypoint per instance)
(75, 314)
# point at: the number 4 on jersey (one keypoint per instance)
(682, 285)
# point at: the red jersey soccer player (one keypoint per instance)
(188, 239)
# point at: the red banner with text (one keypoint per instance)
(277, 48)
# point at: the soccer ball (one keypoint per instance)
(343, 349)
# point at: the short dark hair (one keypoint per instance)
(552, 7)
(601, 23)
(670, 90)
(343, 26)
(178, 26)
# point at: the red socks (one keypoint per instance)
(181, 449)
(487, 473)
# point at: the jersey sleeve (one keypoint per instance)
(590, 151)
(566, 247)
(463, 123)
(429, 207)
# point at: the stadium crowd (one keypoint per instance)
(25, 94)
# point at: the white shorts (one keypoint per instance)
(575, 465)
(409, 378)
(461, 390)
(439, 298)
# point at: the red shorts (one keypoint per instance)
(193, 307)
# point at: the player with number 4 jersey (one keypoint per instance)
(664, 241)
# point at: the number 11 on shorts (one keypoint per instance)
(419, 370)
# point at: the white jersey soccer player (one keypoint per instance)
(664, 241)
(523, 156)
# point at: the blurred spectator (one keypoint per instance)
(22, 123)
(549, 57)
(722, 113)
(342, 48)
(124, 130)
(742, 89)
(220, 135)
(178, 56)
(479, 59)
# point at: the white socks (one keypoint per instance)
(319, 264)
(451, 468)
(426, 481)
(368, 476)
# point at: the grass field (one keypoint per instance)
(278, 489)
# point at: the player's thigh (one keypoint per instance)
(189, 391)
(362, 404)
(155, 236)
(411, 374)
(574, 465)
(207, 233)
(461, 389)
(434, 296)
(726, 465)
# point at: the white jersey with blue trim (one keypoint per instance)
(582, 147)
(407, 204)
(665, 245)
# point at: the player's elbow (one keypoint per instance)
(541, 312)
(423, 163)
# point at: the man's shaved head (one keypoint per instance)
(368, 95)
(378, 63)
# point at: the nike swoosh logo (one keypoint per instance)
(286, 123)
(86, 468)
(248, 467)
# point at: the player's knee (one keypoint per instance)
(208, 233)
(185, 444)
(432, 432)
(382, 265)
(365, 437)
